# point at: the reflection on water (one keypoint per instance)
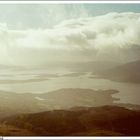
(38, 83)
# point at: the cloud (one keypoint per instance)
(83, 39)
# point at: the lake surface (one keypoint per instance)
(18, 82)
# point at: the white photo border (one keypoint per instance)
(69, 2)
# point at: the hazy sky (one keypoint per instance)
(39, 34)
(44, 15)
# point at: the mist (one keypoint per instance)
(93, 38)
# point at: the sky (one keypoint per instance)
(23, 16)
(33, 34)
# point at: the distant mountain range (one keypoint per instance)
(83, 121)
(129, 72)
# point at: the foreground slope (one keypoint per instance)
(80, 121)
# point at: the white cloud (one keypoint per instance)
(84, 38)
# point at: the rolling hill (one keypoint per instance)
(16, 103)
